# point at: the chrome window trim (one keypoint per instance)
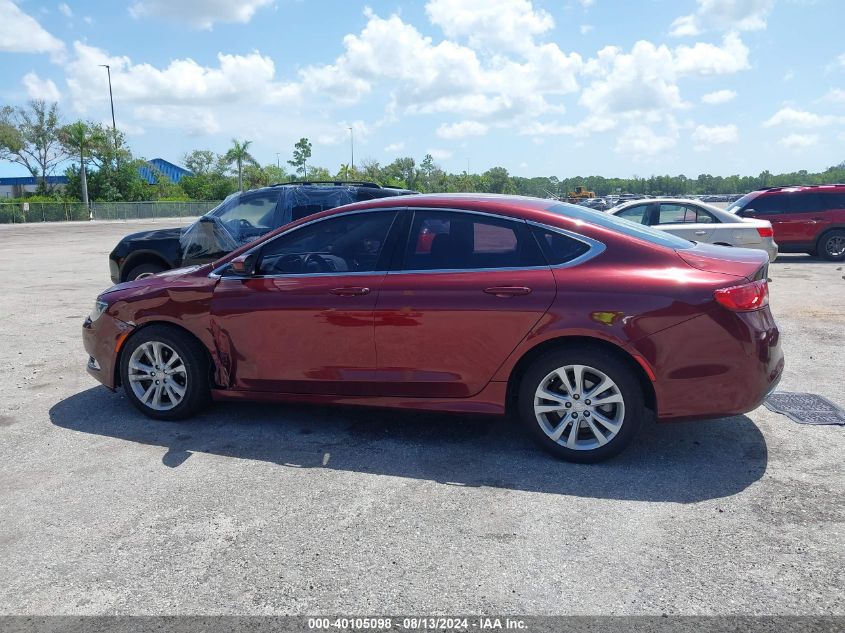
(596, 248)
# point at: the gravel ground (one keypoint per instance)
(270, 509)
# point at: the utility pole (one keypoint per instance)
(111, 99)
(278, 163)
(351, 150)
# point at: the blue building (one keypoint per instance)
(19, 186)
(173, 172)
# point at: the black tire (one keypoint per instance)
(144, 270)
(195, 359)
(830, 246)
(614, 367)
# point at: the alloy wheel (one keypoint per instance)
(579, 407)
(835, 246)
(158, 376)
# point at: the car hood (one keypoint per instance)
(157, 281)
(156, 234)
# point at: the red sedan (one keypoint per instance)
(577, 321)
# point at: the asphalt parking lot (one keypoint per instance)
(271, 509)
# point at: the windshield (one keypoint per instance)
(621, 225)
(740, 204)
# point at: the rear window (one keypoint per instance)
(742, 202)
(620, 225)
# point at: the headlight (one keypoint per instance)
(99, 308)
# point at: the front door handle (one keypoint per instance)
(701, 232)
(508, 291)
(350, 291)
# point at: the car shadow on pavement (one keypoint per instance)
(681, 462)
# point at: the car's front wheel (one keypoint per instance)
(581, 404)
(165, 373)
(832, 246)
(142, 271)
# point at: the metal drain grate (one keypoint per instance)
(805, 408)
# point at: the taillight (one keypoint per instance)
(744, 298)
(765, 231)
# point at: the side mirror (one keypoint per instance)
(244, 264)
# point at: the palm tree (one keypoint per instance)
(239, 155)
(78, 139)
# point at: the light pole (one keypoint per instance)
(278, 164)
(111, 100)
(351, 150)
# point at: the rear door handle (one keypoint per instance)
(508, 291)
(350, 291)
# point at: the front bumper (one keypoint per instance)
(102, 340)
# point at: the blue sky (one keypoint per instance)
(542, 87)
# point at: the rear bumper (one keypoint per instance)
(102, 340)
(716, 365)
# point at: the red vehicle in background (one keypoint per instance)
(808, 219)
(575, 320)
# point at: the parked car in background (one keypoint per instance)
(806, 219)
(700, 222)
(239, 219)
(574, 319)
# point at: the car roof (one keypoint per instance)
(327, 184)
(797, 188)
(722, 214)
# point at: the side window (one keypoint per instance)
(635, 214)
(805, 203)
(675, 214)
(703, 217)
(559, 248)
(768, 205)
(348, 243)
(451, 240)
(252, 211)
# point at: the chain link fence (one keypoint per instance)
(20, 212)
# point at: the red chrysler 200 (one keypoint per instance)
(577, 321)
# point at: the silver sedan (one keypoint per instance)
(700, 222)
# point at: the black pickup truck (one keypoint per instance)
(238, 220)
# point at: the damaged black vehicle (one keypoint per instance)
(238, 220)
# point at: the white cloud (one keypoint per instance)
(719, 96)
(585, 28)
(38, 88)
(65, 10)
(835, 95)
(705, 137)
(643, 141)
(21, 33)
(196, 121)
(645, 80)
(461, 129)
(499, 25)
(587, 3)
(723, 15)
(840, 61)
(200, 14)
(800, 118)
(798, 141)
(439, 154)
(395, 147)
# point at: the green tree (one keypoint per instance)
(239, 155)
(301, 154)
(201, 161)
(79, 139)
(29, 136)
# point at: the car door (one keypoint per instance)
(467, 289)
(682, 220)
(303, 323)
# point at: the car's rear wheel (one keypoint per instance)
(832, 246)
(165, 373)
(142, 271)
(581, 404)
